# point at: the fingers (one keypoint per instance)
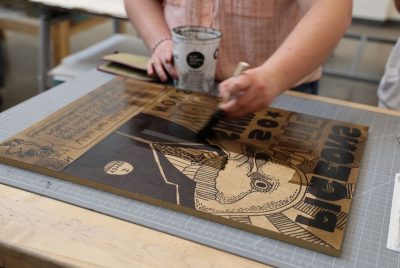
(167, 57)
(168, 61)
(158, 68)
(150, 69)
(233, 93)
(248, 94)
(162, 69)
(247, 103)
(234, 86)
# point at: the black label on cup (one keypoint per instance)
(195, 59)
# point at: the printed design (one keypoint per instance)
(282, 174)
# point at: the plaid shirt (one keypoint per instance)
(252, 29)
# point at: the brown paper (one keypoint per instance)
(127, 65)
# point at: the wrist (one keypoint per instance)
(273, 80)
(159, 42)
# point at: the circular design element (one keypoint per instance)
(118, 168)
(263, 185)
(195, 59)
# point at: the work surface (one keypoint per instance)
(367, 231)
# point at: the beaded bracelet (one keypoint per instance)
(159, 43)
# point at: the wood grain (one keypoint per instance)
(41, 232)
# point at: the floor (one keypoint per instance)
(21, 63)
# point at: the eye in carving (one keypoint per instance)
(261, 185)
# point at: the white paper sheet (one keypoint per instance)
(393, 241)
(113, 8)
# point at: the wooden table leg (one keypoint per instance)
(60, 33)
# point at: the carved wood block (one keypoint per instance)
(277, 173)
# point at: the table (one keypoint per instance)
(40, 231)
(50, 13)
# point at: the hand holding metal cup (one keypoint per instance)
(161, 62)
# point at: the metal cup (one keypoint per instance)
(195, 57)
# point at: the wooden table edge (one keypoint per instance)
(20, 248)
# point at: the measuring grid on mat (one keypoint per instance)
(366, 235)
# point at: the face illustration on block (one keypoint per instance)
(250, 183)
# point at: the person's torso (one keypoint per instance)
(389, 87)
(252, 29)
